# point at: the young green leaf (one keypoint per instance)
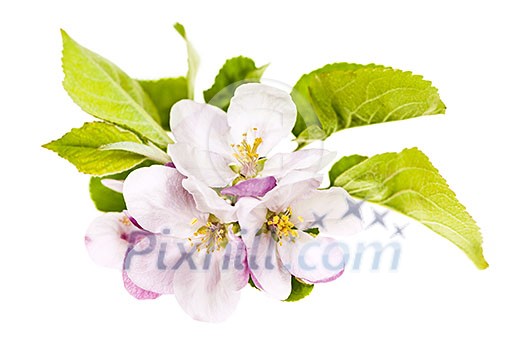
(149, 151)
(235, 72)
(306, 116)
(300, 290)
(408, 183)
(103, 90)
(105, 199)
(82, 147)
(193, 61)
(164, 93)
(343, 165)
(342, 96)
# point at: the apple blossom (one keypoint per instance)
(195, 253)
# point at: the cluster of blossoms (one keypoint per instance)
(226, 210)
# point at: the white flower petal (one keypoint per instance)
(270, 110)
(310, 160)
(200, 125)
(328, 211)
(156, 199)
(266, 268)
(207, 290)
(315, 260)
(105, 239)
(149, 264)
(295, 185)
(208, 201)
(208, 167)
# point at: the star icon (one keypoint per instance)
(379, 218)
(353, 208)
(399, 231)
(318, 220)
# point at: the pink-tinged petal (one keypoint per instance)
(156, 198)
(149, 265)
(327, 210)
(234, 269)
(294, 186)
(266, 268)
(251, 214)
(200, 125)
(309, 160)
(136, 291)
(208, 201)
(210, 289)
(106, 239)
(257, 187)
(269, 110)
(206, 166)
(115, 185)
(314, 260)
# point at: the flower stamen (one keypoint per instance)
(247, 155)
(280, 226)
(210, 237)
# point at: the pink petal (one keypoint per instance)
(106, 239)
(267, 268)
(210, 290)
(136, 291)
(156, 198)
(149, 264)
(315, 260)
(251, 188)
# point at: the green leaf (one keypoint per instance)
(105, 199)
(342, 96)
(408, 183)
(164, 93)
(300, 290)
(343, 165)
(193, 61)
(82, 147)
(149, 151)
(235, 72)
(306, 116)
(103, 90)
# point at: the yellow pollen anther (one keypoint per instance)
(125, 221)
(281, 226)
(193, 221)
(211, 237)
(246, 153)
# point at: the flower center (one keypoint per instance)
(280, 226)
(247, 156)
(124, 220)
(210, 237)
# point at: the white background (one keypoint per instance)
(53, 296)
